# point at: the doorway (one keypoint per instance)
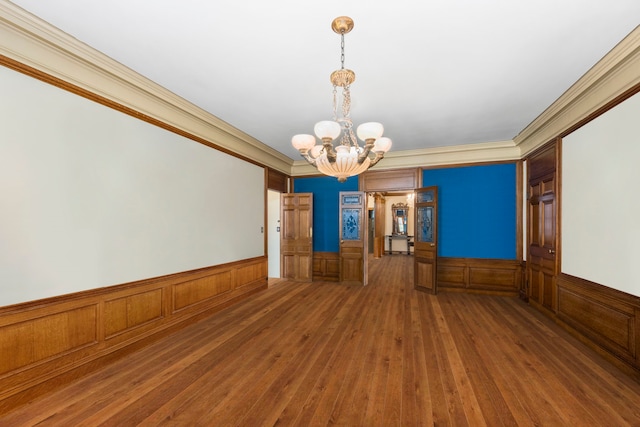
(398, 228)
(273, 233)
(390, 183)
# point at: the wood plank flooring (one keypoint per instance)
(383, 355)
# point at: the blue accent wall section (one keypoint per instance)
(476, 210)
(326, 215)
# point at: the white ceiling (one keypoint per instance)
(435, 73)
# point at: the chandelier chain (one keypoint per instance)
(348, 137)
(335, 103)
(346, 102)
(342, 49)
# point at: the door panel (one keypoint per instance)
(296, 241)
(426, 239)
(353, 237)
(542, 263)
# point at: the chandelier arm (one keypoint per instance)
(329, 150)
(309, 159)
(367, 149)
(379, 156)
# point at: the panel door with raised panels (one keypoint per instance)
(296, 236)
(426, 239)
(353, 237)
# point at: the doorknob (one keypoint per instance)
(551, 251)
(432, 245)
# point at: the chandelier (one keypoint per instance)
(347, 158)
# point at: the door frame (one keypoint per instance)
(390, 181)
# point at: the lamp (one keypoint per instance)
(347, 158)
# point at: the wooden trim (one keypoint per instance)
(606, 319)
(389, 180)
(523, 292)
(519, 210)
(548, 167)
(76, 90)
(277, 181)
(600, 111)
(379, 223)
(558, 213)
(265, 214)
(53, 340)
(465, 164)
(326, 266)
(476, 275)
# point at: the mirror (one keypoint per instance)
(400, 214)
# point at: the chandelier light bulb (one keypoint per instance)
(371, 130)
(382, 145)
(315, 151)
(303, 142)
(327, 129)
(342, 151)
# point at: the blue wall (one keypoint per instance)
(326, 213)
(476, 210)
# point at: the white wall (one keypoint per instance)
(600, 202)
(273, 224)
(91, 197)
(398, 244)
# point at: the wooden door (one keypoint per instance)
(542, 232)
(296, 236)
(353, 237)
(426, 239)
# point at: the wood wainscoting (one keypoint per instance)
(46, 343)
(606, 317)
(326, 266)
(490, 276)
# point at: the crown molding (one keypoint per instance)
(612, 76)
(497, 151)
(33, 42)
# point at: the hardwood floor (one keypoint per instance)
(326, 353)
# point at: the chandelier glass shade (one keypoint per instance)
(348, 157)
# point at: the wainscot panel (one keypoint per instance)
(201, 289)
(45, 344)
(128, 312)
(492, 276)
(608, 318)
(326, 266)
(46, 335)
